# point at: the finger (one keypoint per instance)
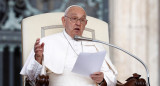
(96, 80)
(42, 45)
(37, 41)
(96, 75)
(37, 46)
(93, 78)
(38, 55)
(97, 72)
(38, 50)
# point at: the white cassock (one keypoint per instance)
(60, 54)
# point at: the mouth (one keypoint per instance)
(77, 29)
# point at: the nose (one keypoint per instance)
(78, 22)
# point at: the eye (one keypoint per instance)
(82, 20)
(74, 18)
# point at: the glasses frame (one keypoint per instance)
(76, 20)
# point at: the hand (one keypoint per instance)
(97, 77)
(38, 49)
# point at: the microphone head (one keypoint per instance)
(77, 38)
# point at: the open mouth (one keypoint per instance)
(77, 29)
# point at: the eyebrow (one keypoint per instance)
(76, 16)
(73, 14)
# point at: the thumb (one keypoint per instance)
(42, 45)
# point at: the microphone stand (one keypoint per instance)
(77, 38)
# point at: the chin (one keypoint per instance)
(78, 34)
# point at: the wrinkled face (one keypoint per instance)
(74, 21)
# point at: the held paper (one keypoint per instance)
(88, 63)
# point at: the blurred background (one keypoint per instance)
(133, 25)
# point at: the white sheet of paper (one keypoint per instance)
(88, 63)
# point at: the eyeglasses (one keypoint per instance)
(75, 19)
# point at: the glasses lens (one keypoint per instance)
(83, 21)
(75, 19)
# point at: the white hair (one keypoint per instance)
(66, 11)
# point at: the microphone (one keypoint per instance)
(78, 38)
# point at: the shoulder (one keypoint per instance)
(54, 37)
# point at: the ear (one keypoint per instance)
(86, 23)
(63, 21)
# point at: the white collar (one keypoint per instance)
(67, 36)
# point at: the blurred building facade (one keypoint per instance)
(133, 26)
(11, 14)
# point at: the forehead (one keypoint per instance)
(77, 11)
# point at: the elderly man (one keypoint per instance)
(60, 52)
